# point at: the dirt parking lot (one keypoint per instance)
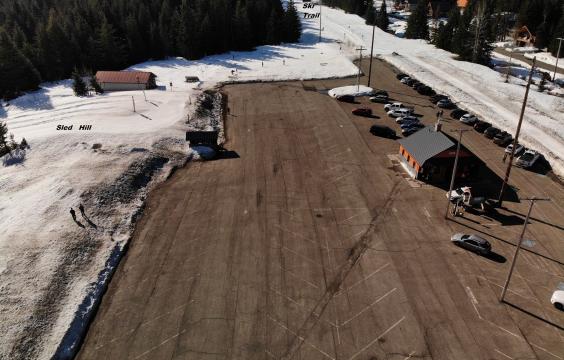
(313, 244)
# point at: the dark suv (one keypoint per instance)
(491, 132)
(382, 131)
(503, 138)
(481, 126)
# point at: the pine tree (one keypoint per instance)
(461, 34)
(554, 43)
(417, 26)
(16, 71)
(95, 85)
(78, 84)
(293, 24)
(382, 20)
(480, 39)
(110, 50)
(445, 32)
(370, 16)
(242, 39)
(4, 149)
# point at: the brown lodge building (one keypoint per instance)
(429, 154)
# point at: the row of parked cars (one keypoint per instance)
(526, 158)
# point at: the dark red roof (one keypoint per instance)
(124, 77)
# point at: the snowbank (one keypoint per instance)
(353, 90)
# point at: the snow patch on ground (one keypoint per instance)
(353, 90)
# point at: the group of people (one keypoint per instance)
(81, 209)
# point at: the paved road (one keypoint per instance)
(541, 64)
(314, 245)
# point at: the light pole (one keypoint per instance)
(508, 171)
(460, 131)
(557, 57)
(360, 49)
(514, 260)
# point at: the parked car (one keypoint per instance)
(409, 131)
(346, 98)
(402, 119)
(395, 105)
(528, 159)
(436, 98)
(557, 299)
(445, 104)
(457, 113)
(468, 119)
(401, 76)
(411, 81)
(417, 85)
(413, 124)
(426, 90)
(472, 242)
(379, 92)
(481, 126)
(362, 112)
(382, 131)
(491, 132)
(401, 112)
(518, 149)
(503, 138)
(410, 124)
(380, 99)
(405, 80)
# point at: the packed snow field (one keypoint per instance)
(49, 263)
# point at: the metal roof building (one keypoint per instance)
(429, 152)
(126, 80)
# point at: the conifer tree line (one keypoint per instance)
(470, 33)
(44, 40)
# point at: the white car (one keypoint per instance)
(396, 105)
(457, 193)
(399, 112)
(557, 299)
(518, 149)
(528, 159)
(468, 119)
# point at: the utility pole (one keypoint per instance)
(371, 51)
(133, 100)
(515, 141)
(557, 57)
(519, 243)
(460, 131)
(360, 50)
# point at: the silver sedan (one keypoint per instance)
(472, 242)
